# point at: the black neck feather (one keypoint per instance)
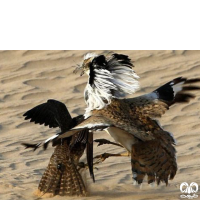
(98, 62)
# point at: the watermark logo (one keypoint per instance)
(189, 190)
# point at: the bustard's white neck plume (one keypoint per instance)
(109, 77)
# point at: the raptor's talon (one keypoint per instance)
(102, 157)
(104, 141)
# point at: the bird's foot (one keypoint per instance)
(82, 165)
(104, 141)
(102, 157)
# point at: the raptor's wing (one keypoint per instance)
(52, 113)
(55, 114)
(92, 123)
(157, 102)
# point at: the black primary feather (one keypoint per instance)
(52, 113)
(120, 59)
(90, 155)
(32, 146)
(166, 92)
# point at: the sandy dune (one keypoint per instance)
(29, 78)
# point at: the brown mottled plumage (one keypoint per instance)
(61, 176)
(152, 159)
(152, 150)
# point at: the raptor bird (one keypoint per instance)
(132, 122)
(62, 177)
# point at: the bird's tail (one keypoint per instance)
(151, 159)
(32, 146)
(45, 143)
(61, 176)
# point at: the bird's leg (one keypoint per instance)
(104, 156)
(104, 141)
(101, 158)
(82, 165)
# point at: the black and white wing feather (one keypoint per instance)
(157, 102)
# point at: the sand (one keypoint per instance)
(29, 78)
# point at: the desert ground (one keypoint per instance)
(29, 78)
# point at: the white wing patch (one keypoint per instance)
(91, 126)
(178, 87)
(51, 138)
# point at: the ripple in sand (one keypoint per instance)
(192, 107)
(79, 88)
(36, 95)
(17, 78)
(33, 163)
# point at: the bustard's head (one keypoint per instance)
(109, 77)
(87, 61)
(85, 66)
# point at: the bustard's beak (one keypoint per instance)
(84, 67)
(79, 67)
(82, 73)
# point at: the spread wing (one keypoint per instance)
(55, 114)
(52, 113)
(157, 102)
(93, 123)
